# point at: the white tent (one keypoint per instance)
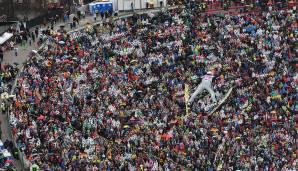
(6, 36)
(124, 5)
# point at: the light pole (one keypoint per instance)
(115, 5)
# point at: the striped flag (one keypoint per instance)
(186, 96)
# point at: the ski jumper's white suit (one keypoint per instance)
(206, 84)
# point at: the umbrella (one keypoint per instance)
(4, 95)
(273, 112)
(65, 57)
(214, 130)
(166, 136)
(133, 61)
(67, 61)
(174, 121)
(61, 42)
(41, 117)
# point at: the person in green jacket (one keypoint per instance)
(34, 167)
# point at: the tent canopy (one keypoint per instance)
(6, 36)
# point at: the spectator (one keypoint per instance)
(16, 51)
(112, 98)
(132, 6)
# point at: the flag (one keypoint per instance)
(186, 96)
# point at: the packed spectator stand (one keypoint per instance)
(112, 97)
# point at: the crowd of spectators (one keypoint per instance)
(112, 97)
